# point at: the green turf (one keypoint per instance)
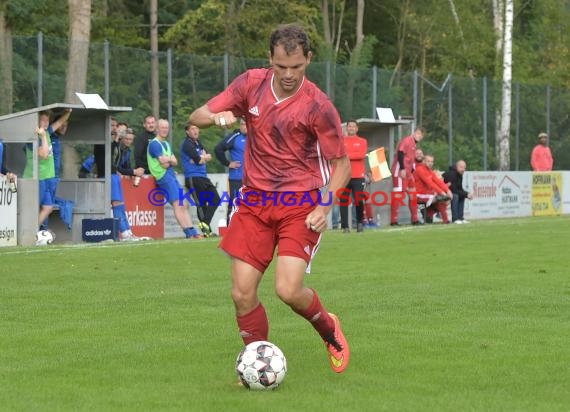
(441, 318)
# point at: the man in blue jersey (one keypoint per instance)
(46, 163)
(3, 169)
(235, 144)
(121, 165)
(194, 159)
(160, 163)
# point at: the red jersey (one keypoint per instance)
(541, 158)
(290, 141)
(408, 146)
(356, 148)
(427, 181)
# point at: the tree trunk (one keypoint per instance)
(499, 27)
(5, 65)
(76, 80)
(402, 24)
(79, 37)
(155, 86)
(504, 152)
(355, 55)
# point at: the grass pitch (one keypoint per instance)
(441, 318)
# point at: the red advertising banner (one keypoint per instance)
(145, 218)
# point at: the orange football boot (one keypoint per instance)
(337, 346)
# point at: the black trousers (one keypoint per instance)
(205, 196)
(235, 185)
(354, 185)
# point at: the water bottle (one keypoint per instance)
(13, 187)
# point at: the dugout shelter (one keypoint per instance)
(91, 196)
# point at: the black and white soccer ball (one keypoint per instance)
(44, 237)
(261, 365)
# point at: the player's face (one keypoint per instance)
(194, 132)
(150, 124)
(351, 128)
(43, 121)
(418, 135)
(163, 128)
(419, 155)
(461, 166)
(428, 161)
(128, 139)
(289, 70)
(242, 127)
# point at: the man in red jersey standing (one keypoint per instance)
(402, 178)
(294, 148)
(356, 148)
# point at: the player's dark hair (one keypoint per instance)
(421, 129)
(352, 121)
(290, 36)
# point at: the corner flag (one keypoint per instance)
(378, 165)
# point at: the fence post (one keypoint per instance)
(328, 78)
(485, 120)
(226, 70)
(450, 120)
(548, 96)
(106, 71)
(169, 91)
(374, 90)
(517, 125)
(415, 101)
(40, 69)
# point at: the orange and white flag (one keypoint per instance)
(378, 165)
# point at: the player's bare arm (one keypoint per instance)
(317, 219)
(204, 117)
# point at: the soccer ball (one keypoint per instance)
(44, 237)
(261, 365)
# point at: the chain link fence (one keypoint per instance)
(459, 113)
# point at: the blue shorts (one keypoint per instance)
(170, 185)
(116, 188)
(48, 187)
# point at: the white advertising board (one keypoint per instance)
(498, 194)
(8, 214)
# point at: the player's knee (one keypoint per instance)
(286, 293)
(243, 299)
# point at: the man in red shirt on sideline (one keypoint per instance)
(431, 189)
(294, 149)
(541, 156)
(356, 148)
(402, 169)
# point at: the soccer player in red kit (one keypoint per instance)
(430, 187)
(294, 148)
(402, 178)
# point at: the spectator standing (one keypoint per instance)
(356, 148)
(121, 166)
(142, 141)
(161, 164)
(194, 160)
(541, 157)
(235, 144)
(46, 163)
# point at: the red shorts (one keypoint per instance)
(263, 220)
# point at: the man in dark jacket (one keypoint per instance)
(141, 143)
(454, 176)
